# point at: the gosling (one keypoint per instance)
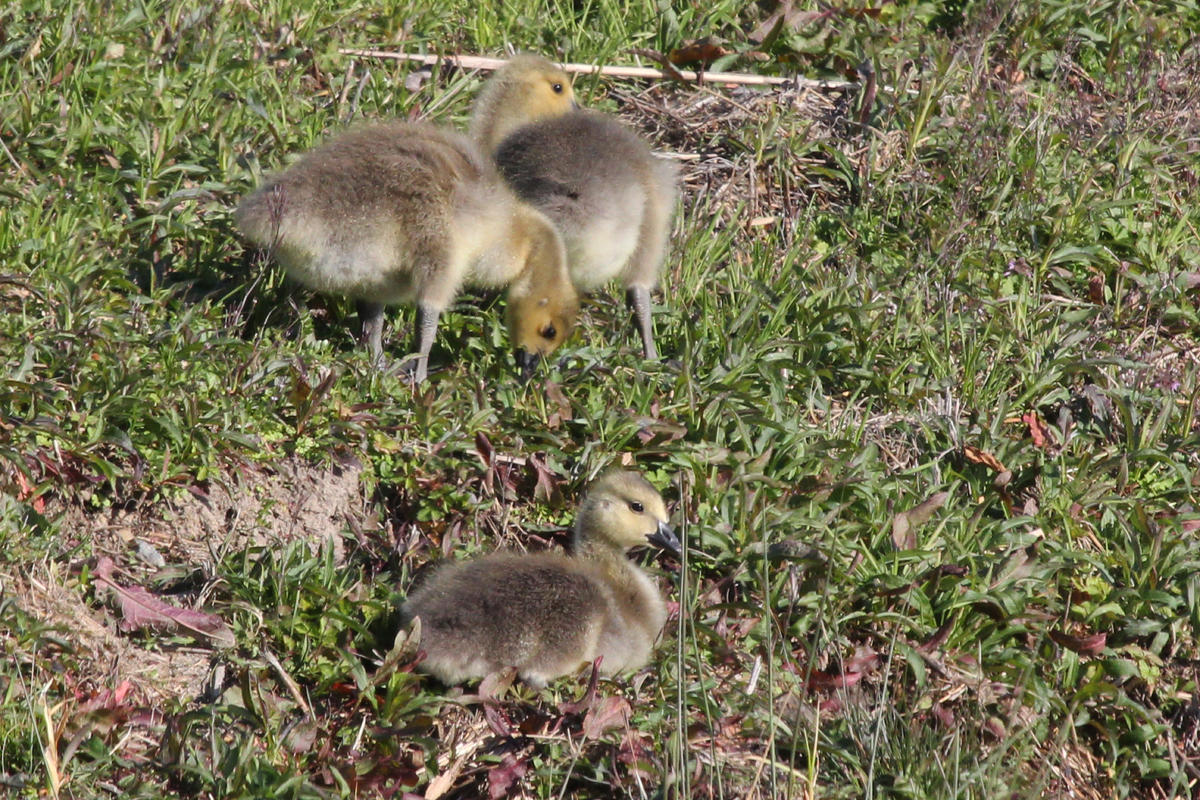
(409, 213)
(550, 614)
(611, 198)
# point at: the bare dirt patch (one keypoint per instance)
(252, 505)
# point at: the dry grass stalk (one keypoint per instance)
(481, 62)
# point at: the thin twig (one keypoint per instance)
(292, 687)
(480, 62)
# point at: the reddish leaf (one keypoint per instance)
(495, 684)
(821, 680)
(938, 639)
(39, 503)
(654, 432)
(943, 715)
(785, 16)
(1037, 429)
(497, 721)
(942, 570)
(140, 609)
(537, 723)
(995, 727)
(609, 712)
(864, 660)
(108, 698)
(1091, 645)
(545, 488)
(831, 705)
(589, 697)
(922, 513)
(501, 778)
(483, 446)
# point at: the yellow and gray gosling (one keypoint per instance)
(408, 213)
(551, 614)
(611, 198)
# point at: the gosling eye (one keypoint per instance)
(558, 88)
(549, 332)
(636, 507)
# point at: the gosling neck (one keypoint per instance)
(545, 257)
(589, 541)
(489, 122)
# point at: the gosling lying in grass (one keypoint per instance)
(408, 213)
(550, 614)
(610, 197)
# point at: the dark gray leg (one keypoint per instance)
(427, 322)
(638, 298)
(370, 315)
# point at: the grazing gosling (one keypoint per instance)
(407, 213)
(549, 614)
(611, 198)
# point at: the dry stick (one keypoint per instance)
(479, 62)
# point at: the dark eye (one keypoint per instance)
(636, 507)
(549, 332)
(558, 87)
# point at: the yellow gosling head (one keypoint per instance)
(540, 321)
(543, 303)
(623, 510)
(526, 89)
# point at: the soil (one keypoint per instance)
(252, 505)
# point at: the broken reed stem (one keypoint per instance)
(480, 62)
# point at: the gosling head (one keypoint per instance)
(538, 323)
(526, 89)
(623, 510)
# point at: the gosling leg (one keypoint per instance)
(638, 298)
(427, 322)
(370, 316)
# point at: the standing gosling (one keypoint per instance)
(408, 213)
(610, 197)
(549, 614)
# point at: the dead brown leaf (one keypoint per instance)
(977, 456)
(904, 535)
(562, 412)
(700, 51)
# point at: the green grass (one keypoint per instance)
(1011, 247)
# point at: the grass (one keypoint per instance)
(987, 301)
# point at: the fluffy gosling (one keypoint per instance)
(611, 198)
(408, 213)
(550, 614)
